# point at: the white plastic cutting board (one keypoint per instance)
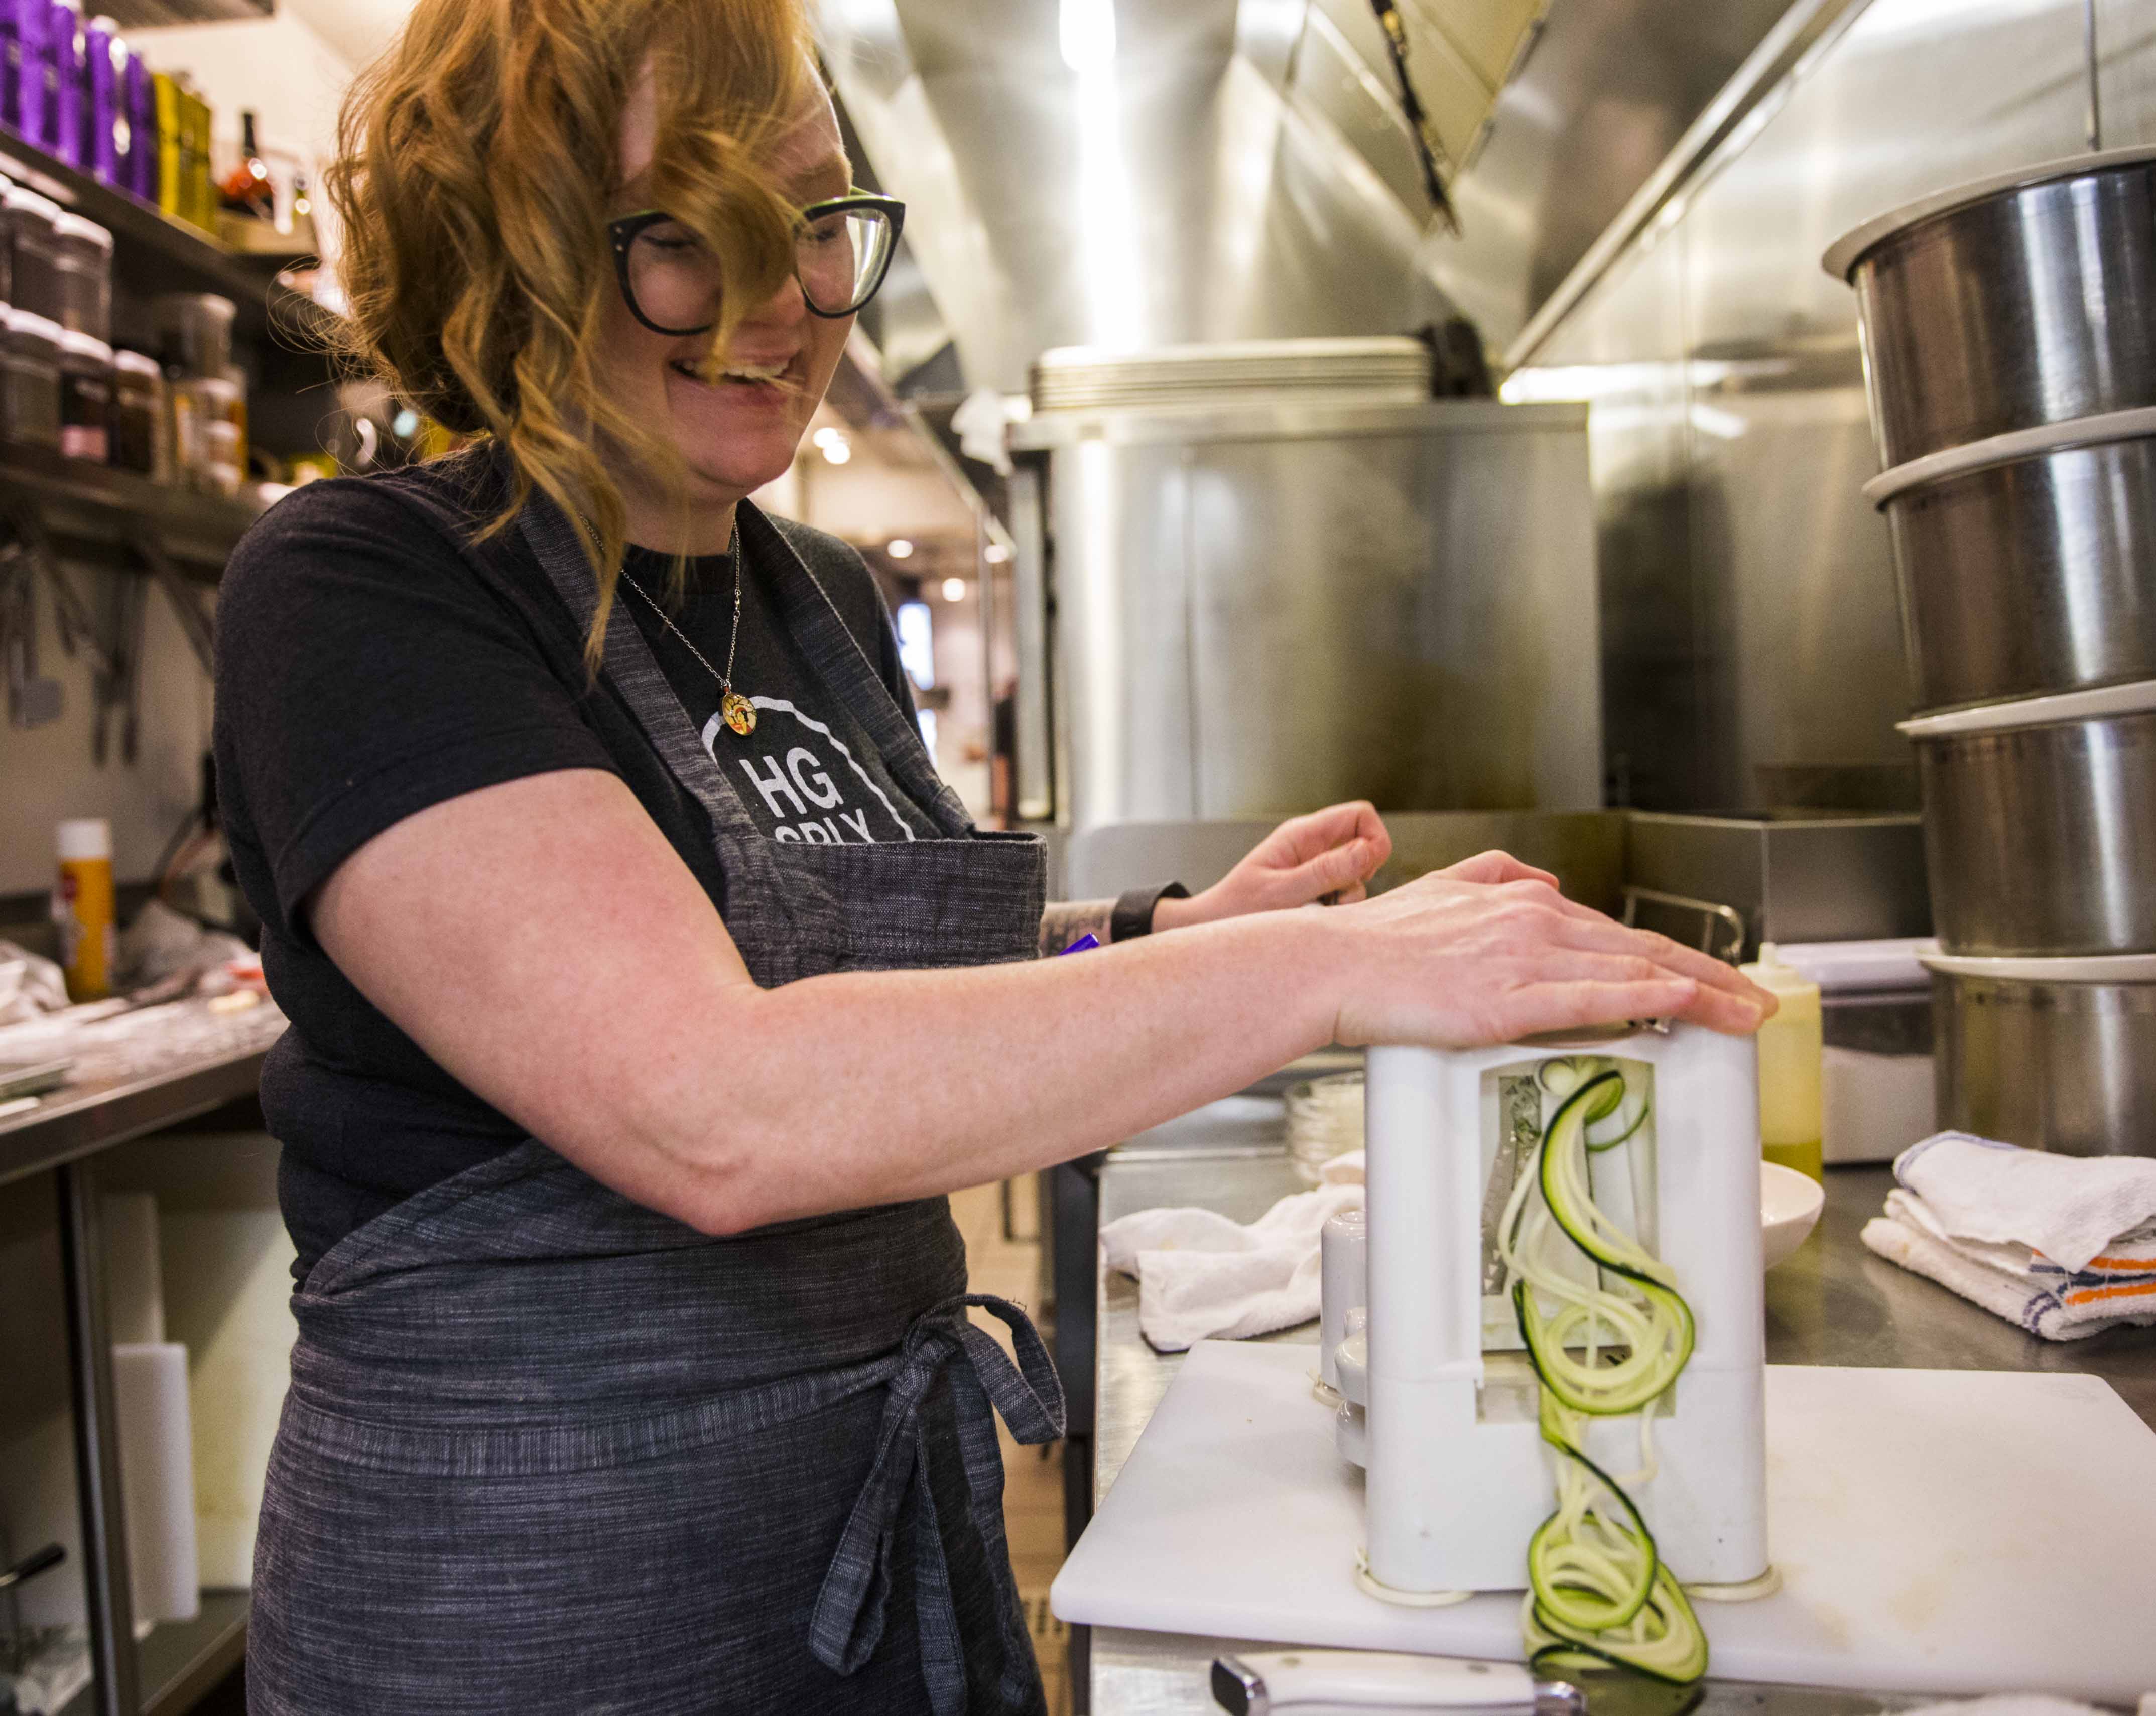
(1947, 1531)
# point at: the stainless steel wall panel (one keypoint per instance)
(1660, 748)
(1790, 637)
(1803, 665)
(1121, 520)
(1265, 610)
(1393, 617)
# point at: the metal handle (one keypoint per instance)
(50, 1556)
(1272, 1683)
(1711, 913)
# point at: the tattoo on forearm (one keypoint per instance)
(1065, 922)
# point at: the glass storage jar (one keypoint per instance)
(6, 244)
(34, 250)
(30, 380)
(85, 396)
(208, 441)
(141, 432)
(194, 332)
(82, 252)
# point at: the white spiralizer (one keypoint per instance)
(1440, 1400)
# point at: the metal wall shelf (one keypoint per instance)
(180, 1661)
(97, 513)
(152, 252)
(138, 14)
(80, 502)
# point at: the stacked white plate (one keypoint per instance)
(1094, 378)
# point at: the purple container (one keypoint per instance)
(24, 25)
(64, 114)
(140, 103)
(100, 84)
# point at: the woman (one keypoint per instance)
(583, 803)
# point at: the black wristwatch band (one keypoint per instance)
(1133, 913)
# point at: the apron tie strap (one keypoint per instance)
(848, 1624)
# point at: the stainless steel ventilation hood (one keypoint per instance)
(1209, 170)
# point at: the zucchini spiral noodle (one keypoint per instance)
(1598, 1592)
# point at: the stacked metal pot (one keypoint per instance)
(2009, 334)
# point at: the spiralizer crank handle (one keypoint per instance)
(1323, 1683)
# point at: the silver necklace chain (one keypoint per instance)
(725, 679)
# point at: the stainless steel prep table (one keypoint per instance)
(1832, 1303)
(135, 1074)
(139, 1072)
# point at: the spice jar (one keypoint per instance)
(30, 380)
(30, 220)
(85, 396)
(141, 439)
(82, 257)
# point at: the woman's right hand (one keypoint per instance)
(1490, 950)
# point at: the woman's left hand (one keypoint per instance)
(1328, 856)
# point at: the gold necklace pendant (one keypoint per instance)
(738, 713)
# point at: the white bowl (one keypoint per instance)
(1790, 1206)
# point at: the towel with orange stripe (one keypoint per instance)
(2063, 1246)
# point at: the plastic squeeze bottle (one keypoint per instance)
(1790, 1061)
(82, 906)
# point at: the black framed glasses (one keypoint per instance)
(670, 279)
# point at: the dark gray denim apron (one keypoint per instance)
(548, 1449)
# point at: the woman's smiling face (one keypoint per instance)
(738, 430)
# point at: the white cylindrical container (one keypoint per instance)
(157, 1478)
(1344, 1285)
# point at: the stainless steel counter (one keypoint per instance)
(1832, 1303)
(134, 1073)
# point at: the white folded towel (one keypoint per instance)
(2062, 1246)
(1202, 1276)
(2067, 1207)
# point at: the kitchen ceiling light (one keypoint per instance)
(898, 548)
(995, 554)
(1086, 33)
(954, 590)
(837, 449)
